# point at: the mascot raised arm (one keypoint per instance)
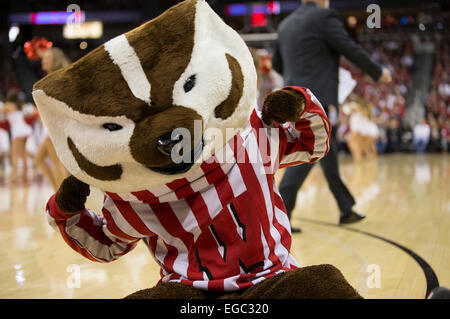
(162, 119)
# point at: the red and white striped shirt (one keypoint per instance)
(225, 227)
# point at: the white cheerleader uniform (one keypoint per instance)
(372, 129)
(19, 128)
(362, 125)
(4, 141)
(357, 123)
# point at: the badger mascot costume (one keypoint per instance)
(162, 119)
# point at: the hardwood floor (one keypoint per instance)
(406, 199)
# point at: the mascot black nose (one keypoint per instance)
(166, 143)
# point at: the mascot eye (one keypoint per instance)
(112, 126)
(189, 84)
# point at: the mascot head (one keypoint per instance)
(115, 115)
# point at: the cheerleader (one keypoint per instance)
(371, 134)
(355, 138)
(52, 60)
(30, 115)
(20, 131)
(268, 80)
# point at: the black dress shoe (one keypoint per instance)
(295, 230)
(350, 217)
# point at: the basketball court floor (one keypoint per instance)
(401, 250)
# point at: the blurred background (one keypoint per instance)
(405, 195)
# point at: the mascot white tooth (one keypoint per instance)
(184, 84)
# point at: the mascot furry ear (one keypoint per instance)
(213, 221)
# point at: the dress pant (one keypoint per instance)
(295, 176)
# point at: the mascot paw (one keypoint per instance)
(72, 195)
(283, 106)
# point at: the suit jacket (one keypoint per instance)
(310, 42)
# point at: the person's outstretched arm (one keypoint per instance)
(337, 37)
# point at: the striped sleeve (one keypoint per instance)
(93, 236)
(308, 140)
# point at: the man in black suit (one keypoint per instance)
(310, 42)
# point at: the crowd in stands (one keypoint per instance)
(8, 79)
(389, 102)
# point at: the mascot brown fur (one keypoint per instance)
(162, 120)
